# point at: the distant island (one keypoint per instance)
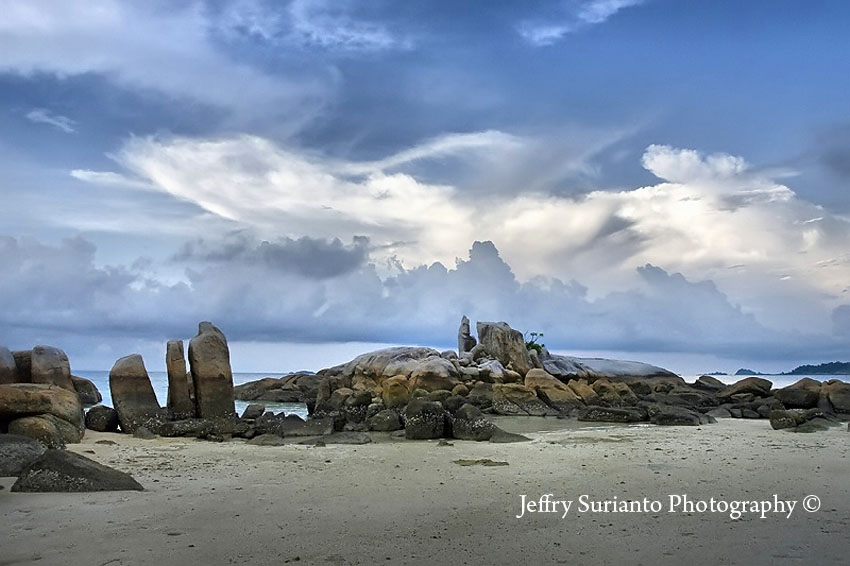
(717, 373)
(827, 368)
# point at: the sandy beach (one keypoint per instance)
(408, 502)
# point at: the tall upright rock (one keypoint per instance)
(465, 341)
(209, 362)
(132, 394)
(505, 344)
(180, 405)
(50, 365)
(8, 369)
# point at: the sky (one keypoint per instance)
(656, 180)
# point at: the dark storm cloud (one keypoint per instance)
(265, 292)
(310, 257)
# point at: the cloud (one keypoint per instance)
(170, 52)
(264, 291)
(575, 16)
(42, 116)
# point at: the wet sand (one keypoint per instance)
(405, 502)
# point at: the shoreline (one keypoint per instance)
(399, 501)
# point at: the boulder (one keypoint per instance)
(17, 452)
(756, 386)
(505, 344)
(469, 423)
(388, 362)
(144, 433)
(803, 394)
(8, 369)
(194, 427)
(491, 371)
(209, 360)
(720, 413)
(584, 391)
(674, 416)
(708, 383)
(180, 405)
(516, 399)
(481, 395)
(132, 394)
(465, 340)
(253, 412)
(65, 471)
(102, 419)
(23, 362)
(86, 391)
(347, 437)
(460, 390)
(552, 391)
(29, 399)
(385, 421)
(396, 392)
(52, 431)
(50, 365)
(424, 420)
(434, 373)
(611, 415)
(565, 368)
(838, 394)
(610, 394)
(267, 439)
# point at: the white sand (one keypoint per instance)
(408, 503)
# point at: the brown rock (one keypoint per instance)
(517, 399)
(433, 374)
(209, 360)
(803, 394)
(23, 361)
(752, 385)
(838, 393)
(86, 391)
(132, 394)
(584, 391)
(52, 431)
(552, 391)
(180, 405)
(30, 399)
(50, 365)
(396, 392)
(505, 344)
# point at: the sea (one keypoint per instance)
(159, 380)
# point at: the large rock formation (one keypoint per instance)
(47, 413)
(132, 394)
(180, 405)
(552, 391)
(50, 365)
(65, 471)
(803, 394)
(505, 344)
(465, 341)
(8, 369)
(209, 360)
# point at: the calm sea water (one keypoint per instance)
(159, 380)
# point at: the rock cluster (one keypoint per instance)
(48, 413)
(200, 402)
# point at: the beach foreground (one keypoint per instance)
(409, 502)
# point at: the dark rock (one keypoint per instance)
(23, 362)
(253, 412)
(102, 419)
(439, 395)
(132, 394)
(292, 425)
(17, 452)
(750, 414)
(453, 403)
(755, 386)
(465, 340)
(505, 344)
(803, 394)
(720, 413)
(8, 369)
(424, 420)
(838, 394)
(784, 419)
(209, 361)
(708, 383)
(469, 423)
(180, 404)
(503, 437)
(674, 416)
(45, 429)
(65, 471)
(144, 433)
(611, 415)
(385, 421)
(50, 366)
(481, 395)
(196, 428)
(86, 391)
